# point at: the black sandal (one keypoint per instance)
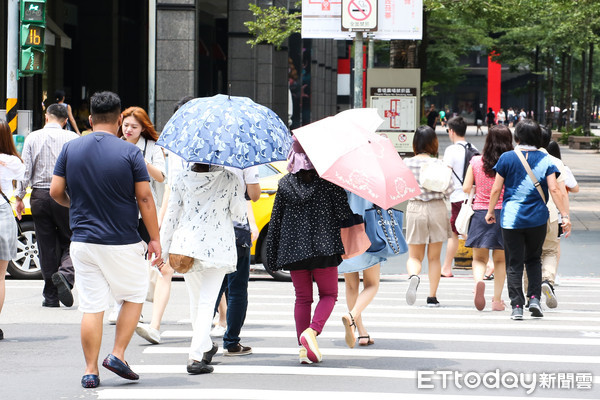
(489, 277)
(349, 326)
(369, 340)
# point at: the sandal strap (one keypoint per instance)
(352, 319)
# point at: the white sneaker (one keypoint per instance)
(113, 316)
(149, 333)
(218, 331)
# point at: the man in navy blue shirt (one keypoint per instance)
(104, 180)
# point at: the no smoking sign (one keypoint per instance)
(359, 15)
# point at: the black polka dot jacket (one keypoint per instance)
(305, 222)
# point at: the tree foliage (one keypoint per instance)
(273, 25)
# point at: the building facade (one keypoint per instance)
(199, 49)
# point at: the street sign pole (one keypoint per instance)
(359, 16)
(12, 64)
(358, 70)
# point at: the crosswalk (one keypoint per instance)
(445, 353)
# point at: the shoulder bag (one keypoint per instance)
(536, 183)
(463, 219)
(384, 229)
(354, 237)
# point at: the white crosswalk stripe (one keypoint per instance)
(558, 355)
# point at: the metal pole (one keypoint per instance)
(12, 64)
(358, 70)
(371, 54)
(152, 60)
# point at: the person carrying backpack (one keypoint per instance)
(457, 157)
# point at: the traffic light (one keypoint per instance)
(33, 28)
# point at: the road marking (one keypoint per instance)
(474, 316)
(528, 324)
(257, 394)
(384, 353)
(280, 370)
(415, 336)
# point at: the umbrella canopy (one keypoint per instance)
(345, 150)
(226, 130)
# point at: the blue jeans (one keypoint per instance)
(235, 285)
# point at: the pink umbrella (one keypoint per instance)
(345, 150)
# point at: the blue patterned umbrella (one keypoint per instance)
(226, 130)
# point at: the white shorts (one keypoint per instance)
(102, 270)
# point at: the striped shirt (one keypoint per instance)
(415, 164)
(40, 152)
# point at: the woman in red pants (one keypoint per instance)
(304, 238)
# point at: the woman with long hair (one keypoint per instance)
(427, 222)
(11, 168)
(524, 213)
(137, 129)
(483, 237)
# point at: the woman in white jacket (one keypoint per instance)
(203, 204)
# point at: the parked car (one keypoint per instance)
(26, 265)
(270, 174)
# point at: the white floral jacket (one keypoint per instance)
(200, 214)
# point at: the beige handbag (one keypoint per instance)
(181, 263)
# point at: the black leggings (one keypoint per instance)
(523, 247)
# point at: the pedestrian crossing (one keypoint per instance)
(419, 352)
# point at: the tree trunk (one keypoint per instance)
(550, 91)
(563, 92)
(588, 98)
(581, 100)
(536, 98)
(568, 85)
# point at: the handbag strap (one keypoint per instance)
(536, 183)
(471, 195)
(396, 243)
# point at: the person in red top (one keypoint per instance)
(483, 237)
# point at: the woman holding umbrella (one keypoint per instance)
(203, 204)
(304, 238)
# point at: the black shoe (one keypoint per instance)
(1, 334)
(433, 302)
(64, 289)
(198, 367)
(52, 304)
(238, 350)
(208, 356)
(535, 308)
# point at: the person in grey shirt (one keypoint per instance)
(52, 231)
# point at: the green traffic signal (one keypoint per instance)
(33, 11)
(33, 24)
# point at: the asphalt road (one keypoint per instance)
(42, 359)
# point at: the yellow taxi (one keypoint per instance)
(26, 265)
(270, 174)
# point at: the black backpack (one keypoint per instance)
(470, 151)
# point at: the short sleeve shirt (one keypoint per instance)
(523, 206)
(101, 171)
(247, 176)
